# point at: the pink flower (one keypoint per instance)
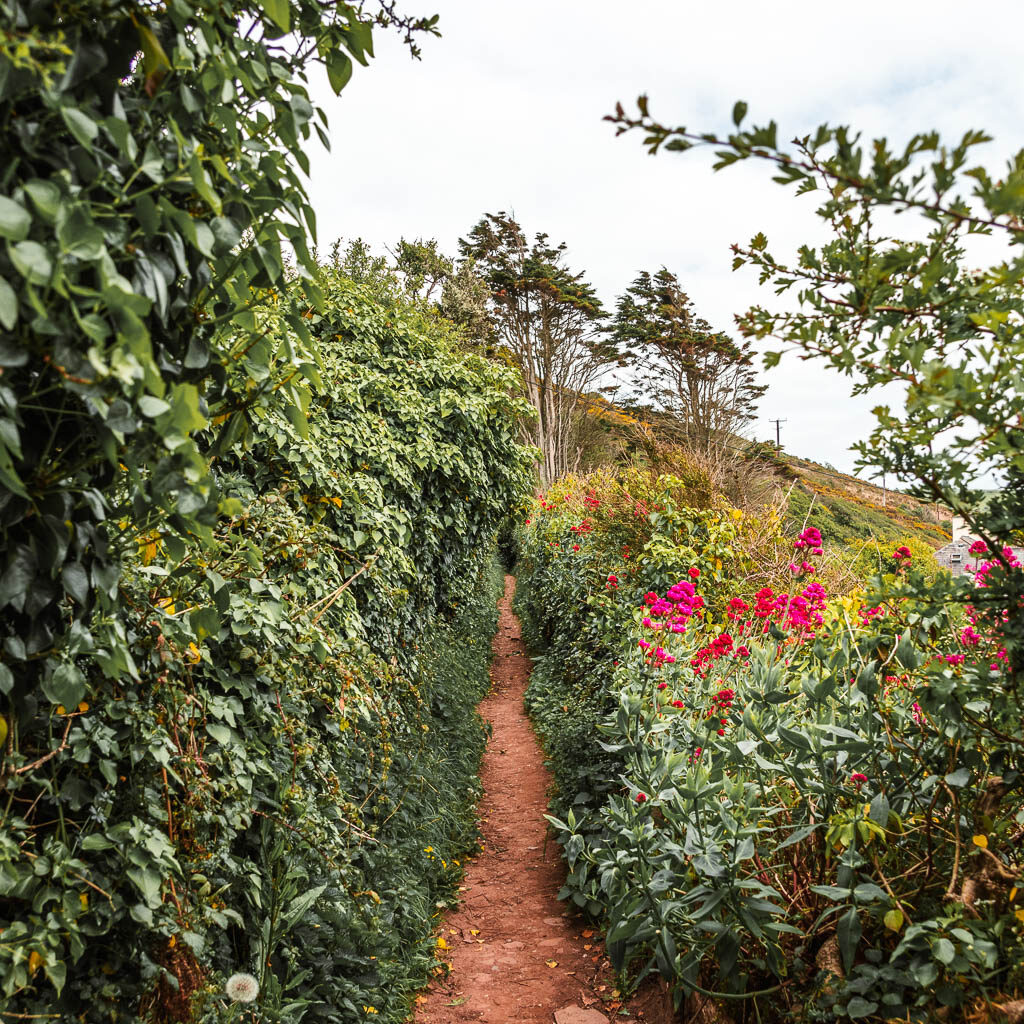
(979, 547)
(858, 779)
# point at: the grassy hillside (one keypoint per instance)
(847, 509)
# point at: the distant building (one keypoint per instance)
(956, 556)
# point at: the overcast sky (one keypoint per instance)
(504, 111)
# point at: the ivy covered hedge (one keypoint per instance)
(274, 774)
(246, 522)
(795, 802)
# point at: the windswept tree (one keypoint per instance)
(550, 320)
(701, 378)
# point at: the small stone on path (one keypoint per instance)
(577, 1015)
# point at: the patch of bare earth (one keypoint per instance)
(516, 952)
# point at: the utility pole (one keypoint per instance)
(778, 444)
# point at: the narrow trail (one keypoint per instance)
(517, 953)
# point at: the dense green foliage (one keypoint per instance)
(247, 517)
(257, 785)
(781, 804)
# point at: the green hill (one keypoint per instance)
(847, 509)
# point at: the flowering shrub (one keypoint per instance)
(797, 799)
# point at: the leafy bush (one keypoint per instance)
(273, 772)
(800, 803)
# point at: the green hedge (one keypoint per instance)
(274, 772)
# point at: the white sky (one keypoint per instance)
(505, 112)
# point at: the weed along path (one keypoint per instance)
(516, 952)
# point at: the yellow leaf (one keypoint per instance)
(61, 710)
(551, 963)
(83, 707)
(981, 841)
(35, 961)
(1013, 894)
(421, 1000)
(476, 931)
(893, 920)
(1019, 914)
(441, 943)
(84, 899)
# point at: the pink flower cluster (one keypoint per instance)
(810, 538)
(675, 609)
(657, 657)
(986, 567)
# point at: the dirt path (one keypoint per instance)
(517, 953)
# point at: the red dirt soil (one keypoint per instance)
(516, 952)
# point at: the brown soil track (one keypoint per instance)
(516, 952)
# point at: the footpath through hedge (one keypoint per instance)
(514, 953)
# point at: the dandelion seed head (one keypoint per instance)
(242, 988)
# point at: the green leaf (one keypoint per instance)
(879, 809)
(148, 883)
(76, 581)
(893, 920)
(8, 306)
(739, 111)
(221, 733)
(32, 261)
(205, 622)
(66, 686)
(848, 932)
(46, 197)
(298, 906)
(858, 1006)
(339, 70)
(151, 406)
(81, 126)
(944, 951)
(15, 220)
(279, 12)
